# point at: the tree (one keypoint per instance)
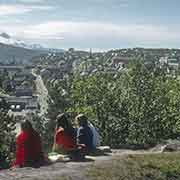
(7, 136)
(137, 106)
(59, 101)
(92, 95)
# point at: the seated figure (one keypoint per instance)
(28, 147)
(84, 134)
(65, 136)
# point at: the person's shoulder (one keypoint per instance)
(81, 128)
(60, 131)
(22, 136)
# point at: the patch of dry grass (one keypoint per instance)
(165, 166)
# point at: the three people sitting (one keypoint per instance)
(76, 141)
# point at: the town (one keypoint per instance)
(89, 90)
(20, 93)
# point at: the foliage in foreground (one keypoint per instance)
(139, 167)
(139, 105)
(7, 135)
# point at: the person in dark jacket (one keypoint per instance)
(84, 134)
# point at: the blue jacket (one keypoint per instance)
(85, 136)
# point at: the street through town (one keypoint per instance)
(42, 93)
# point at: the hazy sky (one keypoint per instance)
(99, 24)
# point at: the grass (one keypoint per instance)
(165, 166)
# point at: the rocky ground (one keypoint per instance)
(78, 170)
(62, 170)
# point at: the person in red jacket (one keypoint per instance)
(28, 147)
(65, 136)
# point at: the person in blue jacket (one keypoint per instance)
(84, 134)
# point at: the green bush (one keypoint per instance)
(7, 139)
(139, 105)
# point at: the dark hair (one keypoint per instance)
(62, 121)
(82, 120)
(26, 125)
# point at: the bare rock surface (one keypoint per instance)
(56, 171)
(59, 170)
(168, 146)
(171, 147)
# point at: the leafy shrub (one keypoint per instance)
(140, 105)
(7, 137)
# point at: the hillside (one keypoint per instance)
(10, 53)
(17, 51)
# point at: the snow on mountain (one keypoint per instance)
(8, 40)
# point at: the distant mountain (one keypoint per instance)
(8, 40)
(9, 53)
(12, 49)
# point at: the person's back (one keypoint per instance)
(28, 147)
(85, 136)
(64, 140)
(84, 133)
(33, 148)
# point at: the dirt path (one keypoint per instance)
(57, 171)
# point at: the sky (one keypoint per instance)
(96, 24)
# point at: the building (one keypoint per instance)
(12, 70)
(120, 61)
(163, 60)
(17, 104)
(23, 91)
(173, 63)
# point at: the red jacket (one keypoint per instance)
(66, 141)
(28, 148)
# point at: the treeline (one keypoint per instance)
(139, 105)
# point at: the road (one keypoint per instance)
(42, 93)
